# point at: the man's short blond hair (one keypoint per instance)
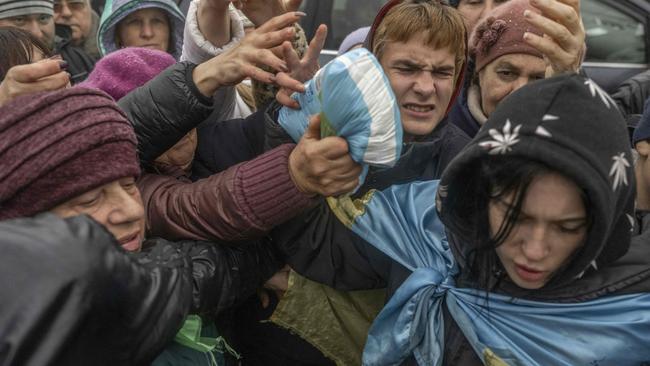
(441, 25)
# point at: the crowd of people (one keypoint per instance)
(183, 184)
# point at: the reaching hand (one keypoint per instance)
(323, 166)
(46, 75)
(245, 59)
(563, 43)
(300, 70)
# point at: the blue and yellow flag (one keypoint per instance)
(402, 222)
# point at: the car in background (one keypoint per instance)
(617, 33)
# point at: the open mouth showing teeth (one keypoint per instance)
(418, 109)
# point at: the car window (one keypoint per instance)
(345, 16)
(612, 36)
(350, 15)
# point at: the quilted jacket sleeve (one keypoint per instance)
(165, 109)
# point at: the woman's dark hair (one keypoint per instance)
(484, 180)
(17, 48)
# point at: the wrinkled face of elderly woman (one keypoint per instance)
(116, 205)
(549, 230)
(506, 74)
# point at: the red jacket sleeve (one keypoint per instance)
(242, 202)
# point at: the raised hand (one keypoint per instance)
(46, 75)
(245, 59)
(300, 70)
(563, 43)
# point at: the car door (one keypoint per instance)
(342, 17)
(617, 39)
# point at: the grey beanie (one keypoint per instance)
(14, 8)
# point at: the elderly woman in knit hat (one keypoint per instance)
(72, 152)
(514, 44)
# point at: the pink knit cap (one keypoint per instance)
(119, 72)
(55, 146)
(501, 32)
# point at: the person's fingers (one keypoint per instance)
(316, 45)
(334, 147)
(289, 83)
(574, 4)
(268, 40)
(290, 56)
(283, 97)
(557, 31)
(346, 172)
(281, 21)
(256, 73)
(338, 169)
(268, 58)
(335, 187)
(313, 129)
(560, 59)
(31, 72)
(345, 188)
(559, 11)
(57, 81)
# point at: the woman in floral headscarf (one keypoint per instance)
(507, 51)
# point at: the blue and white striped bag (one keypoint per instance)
(355, 100)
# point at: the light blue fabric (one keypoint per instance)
(403, 223)
(355, 100)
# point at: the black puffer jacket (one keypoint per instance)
(70, 296)
(165, 109)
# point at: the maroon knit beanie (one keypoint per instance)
(119, 72)
(501, 32)
(55, 146)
